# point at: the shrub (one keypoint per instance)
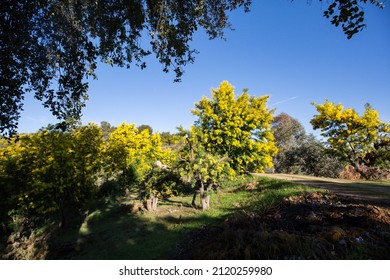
(163, 183)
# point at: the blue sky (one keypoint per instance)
(286, 50)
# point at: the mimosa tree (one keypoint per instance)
(362, 140)
(238, 128)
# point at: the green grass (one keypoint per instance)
(111, 232)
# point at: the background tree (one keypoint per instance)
(50, 48)
(362, 140)
(171, 140)
(107, 129)
(309, 158)
(238, 128)
(299, 153)
(287, 131)
(145, 127)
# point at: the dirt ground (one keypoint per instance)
(366, 192)
(312, 226)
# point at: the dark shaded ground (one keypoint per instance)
(313, 226)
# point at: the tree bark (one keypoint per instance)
(204, 197)
(205, 202)
(154, 203)
(149, 204)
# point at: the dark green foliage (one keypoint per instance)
(110, 188)
(310, 158)
(300, 153)
(51, 48)
(349, 14)
(145, 127)
(8, 190)
(129, 176)
(383, 157)
(163, 183)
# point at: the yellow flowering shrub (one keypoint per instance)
(50, 171)
(133, 153)
(362, 140)
(237, 127)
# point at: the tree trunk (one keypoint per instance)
(204, 198)
(154, 203)
(151, 203)
(205, 202)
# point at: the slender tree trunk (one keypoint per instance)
(154, 203)
(204, 198)
(151, 203)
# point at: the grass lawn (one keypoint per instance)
(110, 231)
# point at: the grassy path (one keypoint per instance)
(377, 193)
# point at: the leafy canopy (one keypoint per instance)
(288, 132)
(51, 47)
(349, 14)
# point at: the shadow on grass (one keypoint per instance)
(111, 232)
(176, 203)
